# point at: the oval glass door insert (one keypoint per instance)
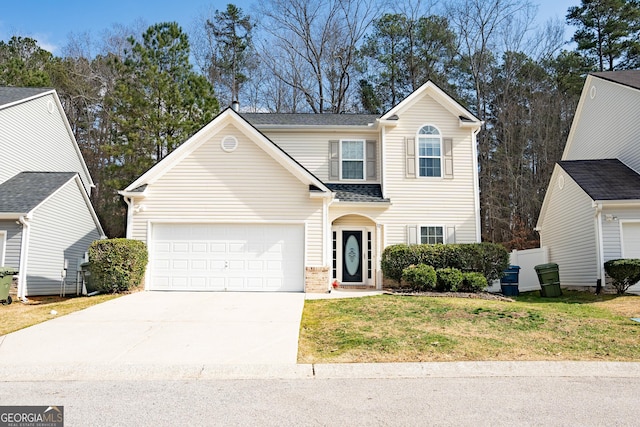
(352, 259)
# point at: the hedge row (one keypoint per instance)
(489, 259)
(117, 265)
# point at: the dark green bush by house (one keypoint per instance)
(473, 282)
(624, 272)
(420, 277)
(489, 259)
(449, 279)
(117, 265)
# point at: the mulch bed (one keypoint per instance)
(471, 295)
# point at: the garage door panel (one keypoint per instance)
(234, 257)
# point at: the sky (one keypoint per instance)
(51, 22)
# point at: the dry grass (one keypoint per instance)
(19, 315)
(390, 328)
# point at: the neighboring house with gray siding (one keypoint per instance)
(591, 212)
(294, 202)
(46, 219)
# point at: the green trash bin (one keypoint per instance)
(549, 278)
(6, 276)
(548, 273)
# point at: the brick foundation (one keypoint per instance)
(316, 279)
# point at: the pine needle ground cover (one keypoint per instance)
(393, 328)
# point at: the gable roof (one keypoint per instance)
(606, 179)
(200, 137)
(26, 190)
(466, 117)
(629, 78)
(11, 95)
(309, 119)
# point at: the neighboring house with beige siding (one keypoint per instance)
(294, 202)
(591, 212)
(46, 219)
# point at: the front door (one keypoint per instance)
(351, 256)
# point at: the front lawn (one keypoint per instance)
(18, 315)
(393, 328)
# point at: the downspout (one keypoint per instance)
(22, 273)
(381, 167)
(599, 243)
(129, 202)
(476, 184)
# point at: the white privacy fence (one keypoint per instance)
(526, 260)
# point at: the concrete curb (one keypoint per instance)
(88, 372)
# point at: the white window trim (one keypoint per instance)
(364, 159)
(418, 157)
(444, 233)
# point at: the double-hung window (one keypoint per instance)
(352, 157)
(431, 235)
(429, 152)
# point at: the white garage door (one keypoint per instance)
(631, 239)
(227, 257)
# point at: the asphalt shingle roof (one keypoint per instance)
(606, 179)
(358, 192)
(13, 94)
(303, 119)
(629, 78)
(27, 190)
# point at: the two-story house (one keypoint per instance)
(294, 202)
(591, 211)
(46, 219)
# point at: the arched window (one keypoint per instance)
(429, 151)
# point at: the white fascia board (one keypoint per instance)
(381, 205)
(27, 99)
(78, 182)
(439, 95)
(576, 117)
(226, 117)
(547, 197)
(620, 203)
(85, 169)
(11, 215)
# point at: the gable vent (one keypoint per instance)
(229, 143)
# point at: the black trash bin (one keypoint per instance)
(509, 282)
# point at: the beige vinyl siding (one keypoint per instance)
(569, 231)
(608, 124)
(12, 244)
(246, 185)
(37, 140)
(429, 201)
(311, 149)
(61, 228)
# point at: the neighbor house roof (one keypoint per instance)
(308, 119)
(606, 179)
(26, 190)
(629, 78)
(9, 95)
(363, 193)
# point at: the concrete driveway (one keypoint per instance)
(166, 328)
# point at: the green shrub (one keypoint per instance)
(490, 259)
(449, 279)
(624, 272)
(473, 282)
(420, 277)
(117, 265)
